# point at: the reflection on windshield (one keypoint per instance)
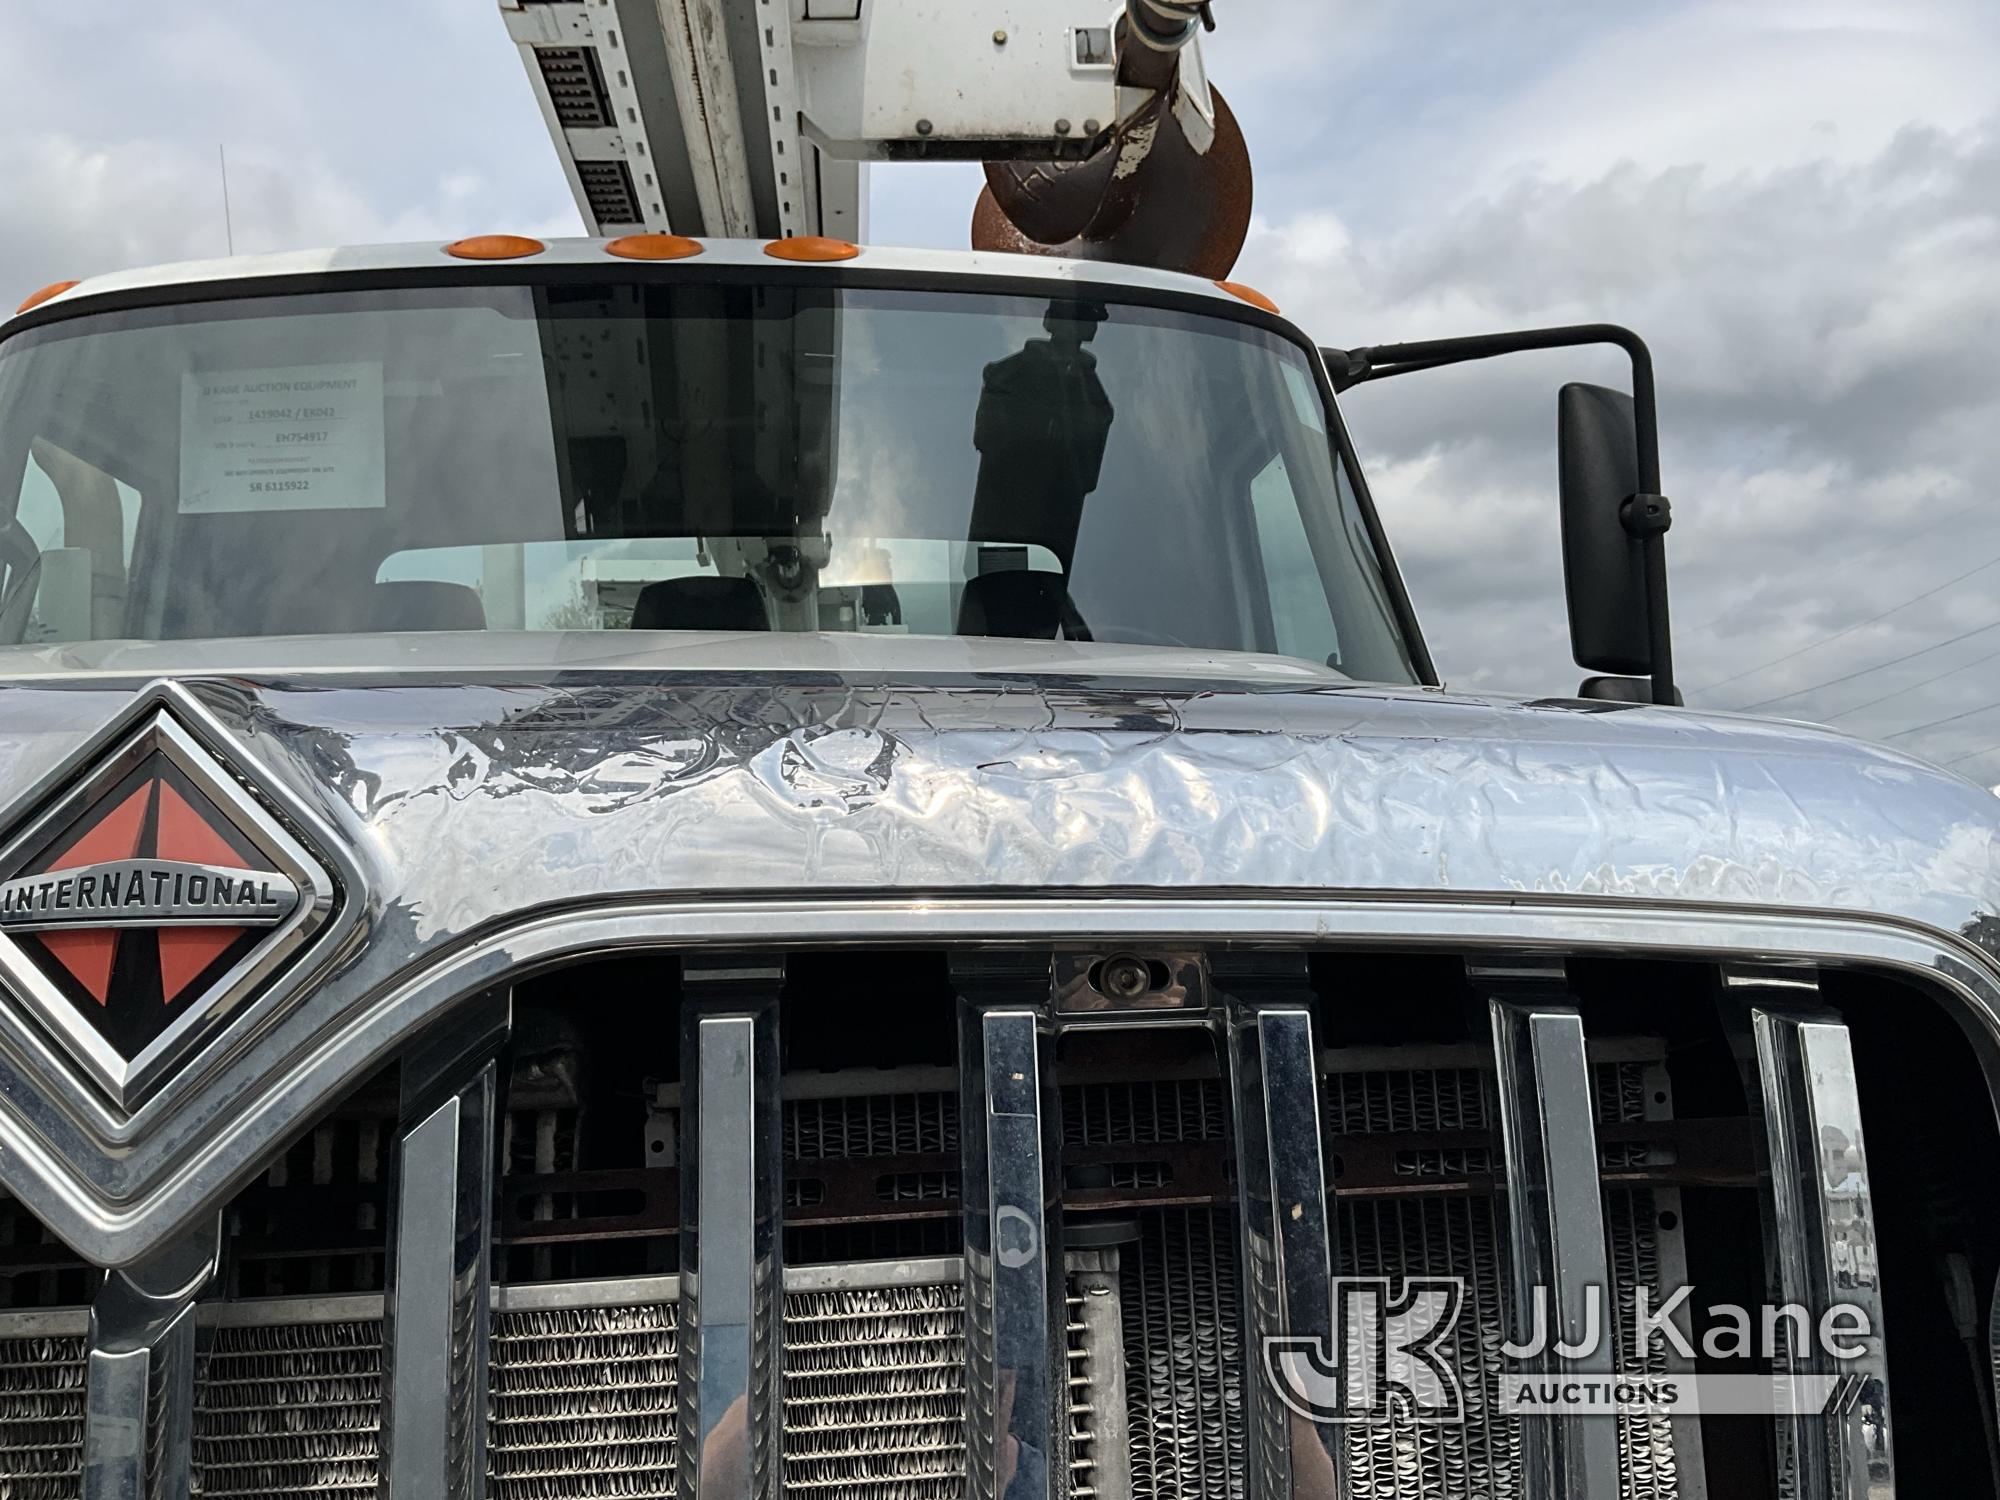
(873, 585)
(681, 455)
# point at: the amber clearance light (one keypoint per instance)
(53, 289)
(494, 247)
(811, 247)
(1249, 294)
(653, 247)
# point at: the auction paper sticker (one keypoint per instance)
(304, 437)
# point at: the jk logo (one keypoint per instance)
(1388, 1360)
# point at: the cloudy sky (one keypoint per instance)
(1797, 204)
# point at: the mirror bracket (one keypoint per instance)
(1646, 515)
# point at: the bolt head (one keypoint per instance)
(1125, 978)
(1062, 127)
(923, 127)
(999, 38)
(1091, 127)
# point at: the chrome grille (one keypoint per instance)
(583, 1402)
(1439, 1236)
(1147, 1112)
(289, 1409)
(41, 1418)
(895, 1124)
(1645, 1443)
(583, 1398)
(1183, 1355)
(875, 1392)
(1466, 1237)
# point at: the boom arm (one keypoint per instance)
(756, 117)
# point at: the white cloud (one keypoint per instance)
(339, 130)
(1800, 209)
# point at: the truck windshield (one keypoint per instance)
(681, 456)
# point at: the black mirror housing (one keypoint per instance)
(1604, 563)
(1614, 518)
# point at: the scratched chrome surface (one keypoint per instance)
(476, 800)
(473, 806)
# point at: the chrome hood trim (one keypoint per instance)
(508, 822)
(475, 799)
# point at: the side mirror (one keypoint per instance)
(1614, 518)
(1604, 564)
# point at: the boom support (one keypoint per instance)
(755, 118)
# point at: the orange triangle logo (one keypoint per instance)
(89, 955)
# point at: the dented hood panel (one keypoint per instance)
(473, 801)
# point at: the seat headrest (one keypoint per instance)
(1020, 604)
(700, 602)
(427, 604)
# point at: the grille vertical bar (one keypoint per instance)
(139, 1372)
(731, 1233)
(1824, 1222)
(1011, 1165)
(1288, 1251)
(433, 1434)
(1555, 1210)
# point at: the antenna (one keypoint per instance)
(228, 225)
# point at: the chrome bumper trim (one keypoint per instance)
(1555, 1210)
(732, 1245)
(1823, 1225)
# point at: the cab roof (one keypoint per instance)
(373, 261)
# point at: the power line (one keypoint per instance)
(1827, 640)
(1880, 666)
(1961, 760)
(228, 220)
(1926, 682)
(1847, 567)
(1903, 734)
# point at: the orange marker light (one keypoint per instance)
(654, 247)
(53, 289)
(1249, 294)
(811, 247)
(494, 247)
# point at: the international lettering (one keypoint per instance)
(140, 892)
